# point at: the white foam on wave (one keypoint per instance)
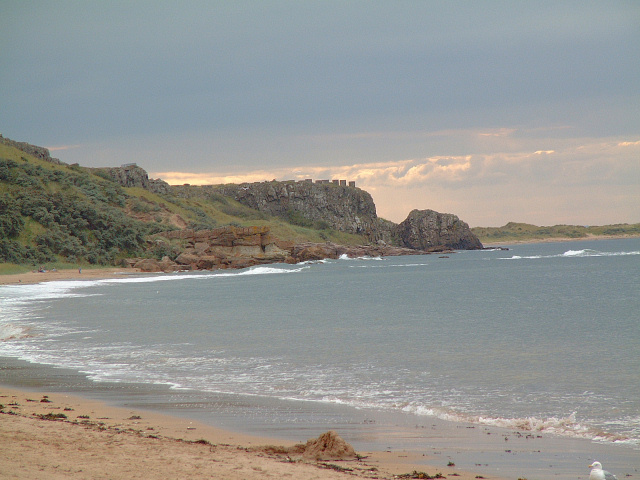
(344, 256)
(40, 291)
(563, 426)
(64, 286)
(312, 262)
(594, 253)
(581, 253)
(567, 426)
(573, 254)
(271, 270)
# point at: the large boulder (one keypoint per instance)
(305, 252)
(430, 230)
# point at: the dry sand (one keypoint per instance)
(96, 441)
(67, 274)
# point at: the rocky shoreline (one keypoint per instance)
(241, 247)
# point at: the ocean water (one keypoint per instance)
(541, 338)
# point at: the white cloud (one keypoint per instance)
(590, 182)
(63, 147)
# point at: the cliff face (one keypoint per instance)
(352, 210)
(426, 230)
(348, 209)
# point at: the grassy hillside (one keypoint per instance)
(59, 215)
(523, 232)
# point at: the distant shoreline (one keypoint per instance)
(515, 241)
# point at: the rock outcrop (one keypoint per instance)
(345, 208)
(429, 230)
(348, 209)
(241, 247)
(131, 175)
(226, 247)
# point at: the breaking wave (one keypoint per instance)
(574, 254)
(568, 426)
(344, 256)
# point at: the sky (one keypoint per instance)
(495, 111)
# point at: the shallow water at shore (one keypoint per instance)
(534, 338)
(489, 451)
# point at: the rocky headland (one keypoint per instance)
(321, 205)
(334, 204)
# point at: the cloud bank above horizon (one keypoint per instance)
(495, 111)
(524, 176)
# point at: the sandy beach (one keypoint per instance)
(56, 436)
(67, 274)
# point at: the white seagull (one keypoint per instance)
(597, 473)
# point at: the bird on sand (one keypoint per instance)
(597, 473)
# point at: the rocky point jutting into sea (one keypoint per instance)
(323, 204)
(342, 206)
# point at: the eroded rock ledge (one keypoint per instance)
(241, 247)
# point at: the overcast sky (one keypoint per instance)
(495, 111)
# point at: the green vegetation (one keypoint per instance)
(62, 216)
(51, 213)
(523, 232)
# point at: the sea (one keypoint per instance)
(534, 341)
